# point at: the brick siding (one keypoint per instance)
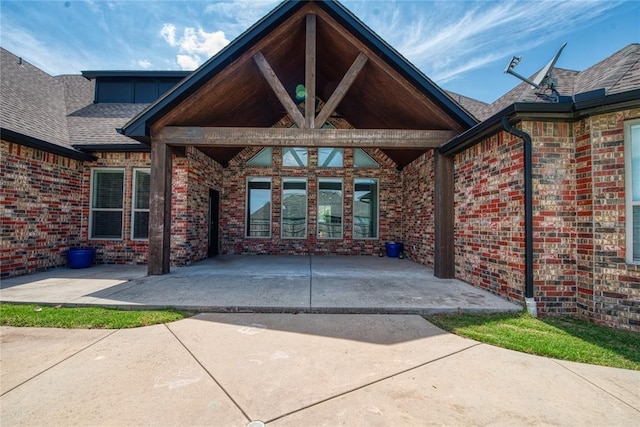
(233, 202)
(578, 219)
(417, 213)
(40, 198)
(489, 216)
(608, 288)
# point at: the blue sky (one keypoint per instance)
(463, 46)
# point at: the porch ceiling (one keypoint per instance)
(239, 95)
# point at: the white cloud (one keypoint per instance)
(194, 45)
(201, 42)
(168, 32)
(144, 64)
(188, 62)
(236, 16)
(448, 39)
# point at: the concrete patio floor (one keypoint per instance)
(236, 283)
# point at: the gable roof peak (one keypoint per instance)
(255, 38)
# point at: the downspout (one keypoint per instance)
(528, 215)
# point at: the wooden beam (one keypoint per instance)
(310, 73)
(444, 218)
(160, 209)
(291, 137)
(342, 89)
(279, 89)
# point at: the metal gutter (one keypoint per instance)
(89, 75)
(528, 213)
(39, 144)
(570, 111)
(106, 147)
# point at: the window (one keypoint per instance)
(330, 157)
(294, 208)
(107, 194)
(365, 208)
(140, 204)
(296, 157)
(632, 160)
(363, 160)
(259, 207)
(263, 158)
(329, 208)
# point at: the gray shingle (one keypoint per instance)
(97, 123)
(618, 73)
(31, 101)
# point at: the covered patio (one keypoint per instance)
(261, 283)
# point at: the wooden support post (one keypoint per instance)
(278, 89)
(160, 209)
(444, 217)
(342, 89)
(310, 74)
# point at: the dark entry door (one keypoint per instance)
(214, 203)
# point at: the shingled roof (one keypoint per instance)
(618, 73)
(32, 102)
(57, 113)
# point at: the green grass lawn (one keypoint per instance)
(559, 338)
(83, 317)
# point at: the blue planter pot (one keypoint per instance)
(393, 249)
(80, 258)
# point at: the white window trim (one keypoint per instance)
(628, 191)
(133, 203)
(246, 206)
(91, 209)
(341, 181)
(306, 204)
(377, 180)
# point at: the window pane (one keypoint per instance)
(296, 157)
(106, 225)
(363, 160)
(330, 209)
(141, 225)
(143, 184)
(259, 208)
(263, 158)
(330, 157)
(107, 189)
(294, 208)
(365, 208)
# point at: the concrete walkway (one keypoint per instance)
(235, 369)
(293, 284)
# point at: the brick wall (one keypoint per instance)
(233, 204)
(489, 216)
(554, 216)
(40, 197)
(578, 219)
(190, 206)
(193, 175)
(417, 213)
(608, 289)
